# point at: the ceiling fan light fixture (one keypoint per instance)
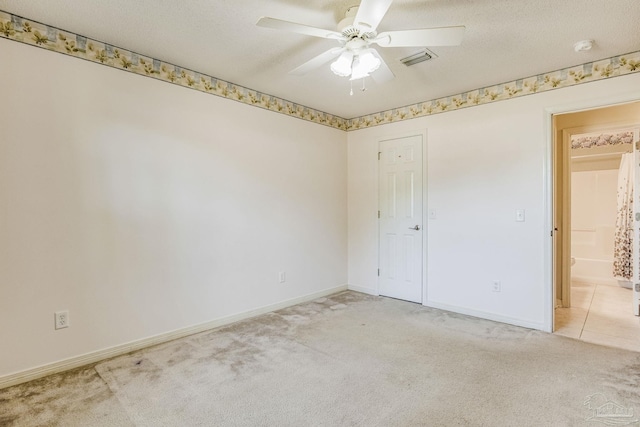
(342, 66)
(370, 61)
(359, 71)
(364, 64)
(356, 32)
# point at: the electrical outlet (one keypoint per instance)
(282, 277)
(62, 319)
(497, 287)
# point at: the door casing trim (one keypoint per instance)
(548, 177)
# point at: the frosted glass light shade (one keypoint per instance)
(369, 61)
(342, 65)
(359, 71)
(364, 64)
(357, 66)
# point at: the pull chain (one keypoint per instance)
(363, 87)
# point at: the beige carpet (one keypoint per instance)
(347, 360)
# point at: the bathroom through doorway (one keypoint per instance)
(594, 227)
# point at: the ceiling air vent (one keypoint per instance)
(416, 58)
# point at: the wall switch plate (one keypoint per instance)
(282, 277)
(496, 286)
(61, 319)
(520, 215)
(432, 214)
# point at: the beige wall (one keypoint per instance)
(598, 118)
(483, 163)
(143, 208)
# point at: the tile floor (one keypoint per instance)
(600, 314)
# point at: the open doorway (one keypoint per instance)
(595, 263)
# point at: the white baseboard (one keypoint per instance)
(97, 356)
(464, 310)
(487, 315)
(363, 290)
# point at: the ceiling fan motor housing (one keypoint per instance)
(347, 29)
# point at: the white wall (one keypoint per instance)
(594, 184)
(593, 214)
(142, 207)
(484, 163)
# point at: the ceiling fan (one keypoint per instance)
(356, 33)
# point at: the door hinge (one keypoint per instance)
(378, 272)
(378, 214)
(379, 153)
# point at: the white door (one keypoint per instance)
(636, 224)
(400, 213)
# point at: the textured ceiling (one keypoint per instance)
(504, 40)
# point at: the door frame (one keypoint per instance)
(423, 134)
(565, 224)
(548, 190)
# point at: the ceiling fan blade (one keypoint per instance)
(445, 36)
(317, 61)
(370, 13)
(279, 24)
(383, 73)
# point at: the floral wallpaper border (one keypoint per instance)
(598, 70)
(581, 141)
(47, 37)
(33, 33)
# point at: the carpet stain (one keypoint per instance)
(347, 359)
(49, 400)
(8, 421)
(625, 380)
(237, 355)
(347, 297)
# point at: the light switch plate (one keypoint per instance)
(520, 215)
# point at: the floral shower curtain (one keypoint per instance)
(623, 245)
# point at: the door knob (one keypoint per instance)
(417, 228)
